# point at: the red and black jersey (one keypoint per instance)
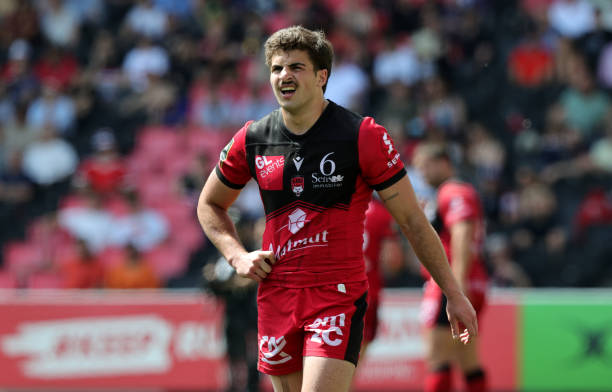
(458, 201)
(315, 190)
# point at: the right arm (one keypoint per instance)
(215, 199)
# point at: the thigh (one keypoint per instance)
(288, 383)
(334, 321)
(327, 375)
(467, 356)
(439, 346)
(280, 338)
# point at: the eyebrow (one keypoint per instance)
(292, 65)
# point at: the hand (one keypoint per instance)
(461, 313)
(254, 265)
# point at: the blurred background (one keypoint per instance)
(113, 113)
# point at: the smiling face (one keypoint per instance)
(294, 80)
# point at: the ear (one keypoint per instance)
(322, 75)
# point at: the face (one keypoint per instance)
(431, 169)
(294, 80)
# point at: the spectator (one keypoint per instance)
(52, 108)
(50, 159)
(57, 67)
(89, 222)
(21, 23)
(584, 103)
(600, 152)
(17, 134)
(85, 271)
(572, 18)
(142, 227)
(16, 192)
(133, 273)
(143, 60)
(59, 25)
(147, 20)
(441, 109)
(104, 171)
(531, 63)
(505, 272)
(348, 83)
(539, 238)
(20, 81)
(397, 63)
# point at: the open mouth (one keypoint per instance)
(287, 91)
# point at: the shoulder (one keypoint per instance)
(264, 125)
(344, 122)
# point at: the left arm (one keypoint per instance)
(462, 234)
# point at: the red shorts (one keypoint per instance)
(323, 321)
(433, 307)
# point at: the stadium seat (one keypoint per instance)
(111, 256)
(201, 140)
(46, 280)
(188, 236)
(23, 257)
(8, 280)
(157, 141)
(168, 260)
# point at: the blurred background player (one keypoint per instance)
(239, 295)
(381, 246)
(459, 222)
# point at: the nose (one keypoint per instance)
(284, 74)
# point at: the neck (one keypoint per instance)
(301, 120)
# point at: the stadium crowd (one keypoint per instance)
(112, 114)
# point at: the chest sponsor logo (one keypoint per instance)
(326, 178)
(296, 222)
(297, 185)
(270, 171)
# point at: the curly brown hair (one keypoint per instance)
(319, 49)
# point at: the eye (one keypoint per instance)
(276, 68)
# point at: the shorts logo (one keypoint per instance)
(323, 328)
(269, 170)
(297, 185)
(274, 350)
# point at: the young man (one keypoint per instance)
(316, 164)
(460, 224)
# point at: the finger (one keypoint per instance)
(259, 272)
(254, 277)
(268, 256)
(263, 264)
(454, 324)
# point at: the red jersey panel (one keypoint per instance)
(378, 227)
(315, 190)
(458, 201)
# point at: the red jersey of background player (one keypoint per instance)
(458, 201)
(378, 227)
